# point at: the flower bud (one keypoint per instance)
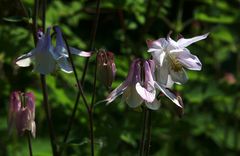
(22, 112)
(106, 67)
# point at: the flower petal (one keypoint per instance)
(64, 65)
(44, 62)
(170, 95)
(24, 60)
(131, 97)
(161, 43)
(116, 92)
(79, 52)
(183, 42)
(155, 105)
(162, 73)
(149, 96)
(189, 61)
(179, 77)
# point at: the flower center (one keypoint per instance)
(174, 63)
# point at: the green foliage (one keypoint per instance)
(210, 125)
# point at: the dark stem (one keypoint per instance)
(48, 114)
(148, 135)
(34, 26)
(44, 5)
(90, 114)
(29, 143)
(45, 94)
(142, 143)
(91, 45)
(89, 109)
(92, 40)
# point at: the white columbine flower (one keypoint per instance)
(172, 57)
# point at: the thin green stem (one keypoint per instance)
(29, 143)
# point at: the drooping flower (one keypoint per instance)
(22, 113)
(45, 56)
(140, 87)
(42, 55)
(172, 57)
(106, 67)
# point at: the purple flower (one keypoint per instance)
(45, 56)
(22, 113)
(140, 87)
(106, 67)
(44, 62)
(172, 57)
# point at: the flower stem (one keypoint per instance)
(92, 40)
(48, 114)
(29, 143)
(146, 133)
(83, 96)
(142, 143)
(148, 137)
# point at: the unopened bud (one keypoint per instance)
(106, 67)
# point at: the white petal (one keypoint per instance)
(24, 60)
(170, 82)
(157, 44)
(44, 62)
(189, 61)
(179, 77)
(116, 92)
(79, 52)
(153, 105)
(131, 97)
(170, 95)
(162, 73)
(149, 96)
(33, 129)
(64, 65)
(183, 42)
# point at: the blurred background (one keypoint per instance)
(210, 124)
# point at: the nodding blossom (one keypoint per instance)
(172, 57)
(21, 113)
(45, 56)
(140, 86)
(106, 67)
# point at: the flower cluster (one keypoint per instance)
(21, 113)
(147, 77)
(45, 56)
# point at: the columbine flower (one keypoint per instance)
(22, 113)
(42, 55)
(61, 54)
(140, 86)
(172, 57)
(45, 56)
(106, 67)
